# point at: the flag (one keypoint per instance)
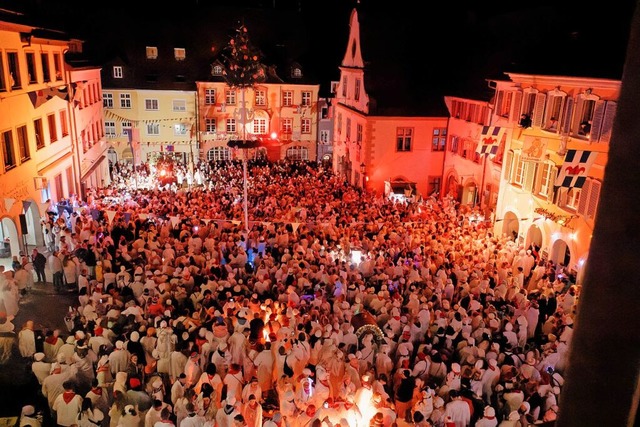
(170, 148)
(39, 97)
(489, 140)
(575, 168)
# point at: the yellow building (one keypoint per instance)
(559, 131)
(40, 163)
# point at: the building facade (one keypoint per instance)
(379, 151)
(39, 160)
(281, 113)
(559, 129)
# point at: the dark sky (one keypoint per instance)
(459, 43)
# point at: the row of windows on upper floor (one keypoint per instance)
(357, 87)
(180, 54)
(296, 152)
(584, 116)
(258, 126)
(230, 98)
(20, 142)
(19, 69)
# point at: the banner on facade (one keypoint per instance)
(534, 148)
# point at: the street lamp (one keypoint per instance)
(363, 169)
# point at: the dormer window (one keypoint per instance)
(296, 72)
(216, 70)
(152, 52)
(117, 72)
(180, 53)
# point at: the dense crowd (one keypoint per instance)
(336, 307)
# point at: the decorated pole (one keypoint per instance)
(243, 70)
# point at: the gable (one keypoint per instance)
(353, 54)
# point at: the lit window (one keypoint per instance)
(110, 129)
(153, 129)
(179, 105)
(287, 98)
(125, 100)
(107, 100)
(306, 98)
(152, 52)
(261, 97)
(210, 125)
(230, 97)
(209, 96)
(403, 139)
(180, 53)
(151, 104)
(117, 72)
(439, 141)
(231, 125)
(305, 126)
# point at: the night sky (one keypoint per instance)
(459, 44)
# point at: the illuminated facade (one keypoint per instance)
(372, 148)
(38, 123)
(558, 129)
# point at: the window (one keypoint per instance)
(23, 143)
(110, 129)
(153, 129)
(64, 124)
(568, 198)
(179, 105)
(152, 52)
(324, 136)
(348, 129)
(126, 128)
(209, 125)
(324, 112)
(261, 97)
(403, 139)
(217, 70)
(151, 104)
(70, 184)
(57, 182)
(546, 177)
(231, 125)
(209, 96)
(504, 102)
(305, 126)
(260, 126)
(434, 184)
(296, 72)
(589, 198)
(287, 126)
(585, 108)
(218, 153)
(287, 98)
(306, 98)
(518, 170)
(344, 86)
(180, 129)
(529, 102)
(37, 126)
(356, 90)
(31, 67)
(57, 65)
(297, 153)
(46, 71)
(8, 152)
(107, 100)
(439, 141)
(359, 134)
(230, 97)
(553, 111)
(117, 72)
(180, 53)
(125, 100)
(14, 70)
(53, 131)
(453, 145)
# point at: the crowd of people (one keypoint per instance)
(337, 307)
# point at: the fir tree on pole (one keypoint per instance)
(242, 61)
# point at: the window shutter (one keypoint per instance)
(562, 197)
(552, 189)
(499, 97)
(584, 197)
(539, 176)
(516, 107)
(508, 166)
(538, 109)
(529, 174)
(603, 122)
(594, 198)
(567, 123)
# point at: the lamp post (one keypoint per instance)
(363, 169)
